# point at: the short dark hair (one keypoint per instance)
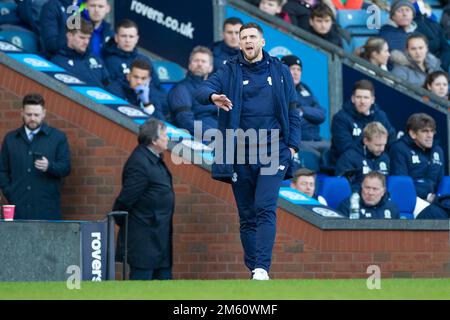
(303, 172)
(233, 21)
(149, 131)
(433, 76)
(141, 64)
(415, 35)
(364, 85)
(322, 11)
(377, 175)
(127, 23)
(33, 99)
(251, 25)
(86, 27)
(419, 121)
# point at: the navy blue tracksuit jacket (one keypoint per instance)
(425, 167)
(312, 113)
(85, 67)
(229, 81)
(385, 209)
(348, 124)
(360, 161)
(221, 53)
(185, 109)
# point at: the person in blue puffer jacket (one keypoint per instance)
(256, 96)
(419, 156)
(185, 109)
(348, 123)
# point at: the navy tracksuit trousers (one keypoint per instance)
(256, 197)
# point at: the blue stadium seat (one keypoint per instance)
(168, 72)
(444, 186)
(403, 193)
(438, 14)
(308, 160)
(8, 13)
(359, 41)
(334, 190)
(21, 37)
(355, 21)
(434, 3)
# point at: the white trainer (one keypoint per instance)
(260, 274)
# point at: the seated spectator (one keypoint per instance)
(419, 156)
(97, 10)
(77, 60)
(29, 12)
(322, 24)
(432, 30)
(348, 4)
(304, 181)
(404, 21)
(120, 52)
(53, 25)
(437, 82)
(184, 107)
(414, 65)
(366, 156)
(348, 123)
(299, 11)
(137, 91)
(312, 114)
(374, 202)
(229, 46)
(376, 51)
(274, 8)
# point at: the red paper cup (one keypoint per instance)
(8, 212)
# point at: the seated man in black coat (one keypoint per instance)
(147, 195)
(322, 24)
(374, 202)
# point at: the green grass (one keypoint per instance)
(231, 290)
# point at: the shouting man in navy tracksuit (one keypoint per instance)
(419, 156)
(255, 93)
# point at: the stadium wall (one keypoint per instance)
(206, 231)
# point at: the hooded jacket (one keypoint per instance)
(407, 69)
(425, 167)
(359, 161)
(85, 67)
(348, 124)
(396, 36)
(221, 52)
(385, 209)
(119, 61)
(228, 80)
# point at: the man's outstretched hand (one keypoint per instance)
(222, 101)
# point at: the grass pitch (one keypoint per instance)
(230, 290)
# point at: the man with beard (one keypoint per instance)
(33, 159)
(184, 107)
(256, 95)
